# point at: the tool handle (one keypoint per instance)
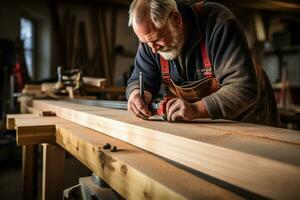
(141, 81)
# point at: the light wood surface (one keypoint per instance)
(259, 159)
(96, 82)
(31, 88)
(132, 172)
(36, 130)
(53, 172)
(48, 87)
(29, 173)
(10, 119)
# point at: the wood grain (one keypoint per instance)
(212, 150)
(10, 119)
(96, 82)
(132, 172)
(36, 130)
(53, 172)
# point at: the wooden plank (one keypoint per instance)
(48, 87)
(29, 154)
(29, 178)
(31, 88)
(256, 131)
(53, 172)
(193, 146)
(10, 119)
(27, 135)
(36, 130)
(130, 171)
(97, 82)
(91, 81)
(34, 110)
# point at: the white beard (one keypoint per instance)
(169, 55)
(176, 45)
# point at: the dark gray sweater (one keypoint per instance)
(245, 95)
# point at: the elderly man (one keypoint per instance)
(200, 53)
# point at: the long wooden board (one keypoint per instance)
(132, 172)
(234, 157)
(97, 82)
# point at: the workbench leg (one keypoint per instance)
(53, 172)
(29, 172)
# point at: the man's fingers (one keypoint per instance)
(169, 104)
(132, 108)
(138, 112)
(147, 97)
(135, 111)
(174, 108)
(137, 106)
(176, 115)
(140, 105)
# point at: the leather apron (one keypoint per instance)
(196, 90)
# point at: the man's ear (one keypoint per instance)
(176, 18)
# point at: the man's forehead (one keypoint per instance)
(145, 29)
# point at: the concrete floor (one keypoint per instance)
(10, 176)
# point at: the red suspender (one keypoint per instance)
(165, 69)
(207, 71)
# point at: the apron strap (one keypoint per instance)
(207, 71)
(165, 69)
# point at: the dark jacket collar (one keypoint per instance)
(192, 26)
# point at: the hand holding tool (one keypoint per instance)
(141, 81)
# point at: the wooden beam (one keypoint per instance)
(10, 119)
(53, 172)
(36, 130)
(96, 82)
(29, 167)
(28, 135)
(132, 172)
(228, 156)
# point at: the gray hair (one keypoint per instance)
(158, 10)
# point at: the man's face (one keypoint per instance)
(167, 41)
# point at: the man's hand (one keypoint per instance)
(180, 109)
(138, 106)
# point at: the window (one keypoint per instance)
(27, 35)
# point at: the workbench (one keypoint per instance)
(203, 159)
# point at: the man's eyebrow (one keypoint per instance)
(152, 39)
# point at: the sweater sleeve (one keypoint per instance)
(144, 62)
(234, 70)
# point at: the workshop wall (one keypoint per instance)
(37, 11)
(97, 40)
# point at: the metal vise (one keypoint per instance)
(69, 79)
